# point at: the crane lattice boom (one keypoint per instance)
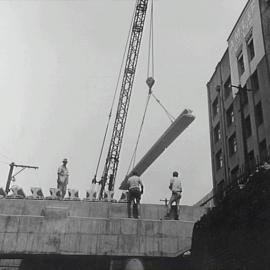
(112, 160)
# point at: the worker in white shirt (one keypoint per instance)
(176, 188)
(135, 189)
(62, 178)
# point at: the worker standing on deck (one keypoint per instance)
(62, 179)
(135, 189)
(176, 188)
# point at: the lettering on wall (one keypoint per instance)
(243, 27)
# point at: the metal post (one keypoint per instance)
(10, 174)
(11, 167)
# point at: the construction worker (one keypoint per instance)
(176, 188)
(135, 190)
(62, 179)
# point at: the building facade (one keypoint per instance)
(239, 100)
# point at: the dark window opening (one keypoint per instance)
(244, 95)
(217, 133)
(259, 114)
(240, 62)
(219, 160)
(250, 48)
(232, 144)
(235, 173)
(263, 151)
(255, 81)
(221, 190)
(247, 127)
(230, 116)
(251, 161)
(215, 107)
(227, 88)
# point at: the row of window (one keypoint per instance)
(232, 141)
(232, 145)
(247, 123)
(251, 157)
(258, 119)
(229, 120)
(228, 91)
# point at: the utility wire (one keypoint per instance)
(5, 156)
(4, 162)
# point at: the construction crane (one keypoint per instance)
(112, 160)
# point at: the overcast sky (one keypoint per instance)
(59, 62)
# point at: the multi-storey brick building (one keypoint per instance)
(239, 99)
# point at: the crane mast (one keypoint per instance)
(112, 160)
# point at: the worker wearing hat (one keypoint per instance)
(62, 179)
(176, 188)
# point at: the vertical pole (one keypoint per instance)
(11, 167)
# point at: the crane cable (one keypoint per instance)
(114, 96)
(151, 45)
(150, 82)
(171, 117)
(151, 55)
(133, 158)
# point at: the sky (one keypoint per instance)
(59, 62)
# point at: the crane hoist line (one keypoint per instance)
(112, 160)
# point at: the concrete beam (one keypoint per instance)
(174, 130)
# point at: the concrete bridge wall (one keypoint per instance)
(34, 228)
(26, 207)
(92, 228)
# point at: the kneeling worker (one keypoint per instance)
(135, 189)
(176, 188)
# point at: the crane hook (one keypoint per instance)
(150, 82)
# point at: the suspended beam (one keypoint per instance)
(174, 130)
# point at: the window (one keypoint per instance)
(244, 95)
(255, 81)
(235, 173)
(232, 144)
(219, 160)
(259, 114)
(230, 116)
(217, 133)
(221, 190)
(240, 62)
(263, 151)
(215, 107)
(250, 47)
(251, 161)
(248, 127)
(227, 88)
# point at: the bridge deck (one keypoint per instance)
(92, 228)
